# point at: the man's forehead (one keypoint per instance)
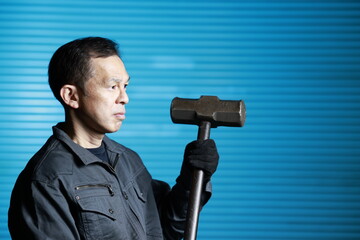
(109, 69)
(112, 63)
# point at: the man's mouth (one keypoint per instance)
(120, 115)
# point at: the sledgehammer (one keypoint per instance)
(206, 112)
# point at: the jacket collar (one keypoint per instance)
(85, 156)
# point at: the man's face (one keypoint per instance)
(102, 106)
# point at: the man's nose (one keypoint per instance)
(123, 97)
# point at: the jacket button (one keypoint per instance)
(125, 195)
(111, 211)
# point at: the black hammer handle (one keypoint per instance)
(193, 210)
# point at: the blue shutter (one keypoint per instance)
(293, 170)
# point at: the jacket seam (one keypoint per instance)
(53, 145)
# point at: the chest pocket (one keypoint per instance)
(144, 206)
(140, 188)
(99, 211)
(141, 191)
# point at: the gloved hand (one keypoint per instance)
(199, 154)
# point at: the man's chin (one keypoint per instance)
(111, 127)
(115, 128)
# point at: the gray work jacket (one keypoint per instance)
(66, 192)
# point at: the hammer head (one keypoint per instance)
(208, 108)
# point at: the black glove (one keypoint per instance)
(199, 154)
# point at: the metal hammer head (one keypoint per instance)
(208, 108)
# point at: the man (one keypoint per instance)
(83, 185)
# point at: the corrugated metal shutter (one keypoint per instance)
(293, 171)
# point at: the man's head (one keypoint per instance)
(88, 77)
(71, 63)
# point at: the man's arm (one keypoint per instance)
(173, 204)
(40, 211)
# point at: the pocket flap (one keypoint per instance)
(100, 205)
(140, 194)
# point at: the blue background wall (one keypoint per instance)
(293, 171)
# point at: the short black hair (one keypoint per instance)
(70, 63)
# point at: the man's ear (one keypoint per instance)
(70, 96)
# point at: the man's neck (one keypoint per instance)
(82, 136)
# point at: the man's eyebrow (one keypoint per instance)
(119, 80)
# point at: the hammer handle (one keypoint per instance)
(193, 210)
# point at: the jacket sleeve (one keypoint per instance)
(40, 211)
(172, 205)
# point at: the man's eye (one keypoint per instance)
(125, 86)
(114, 87)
